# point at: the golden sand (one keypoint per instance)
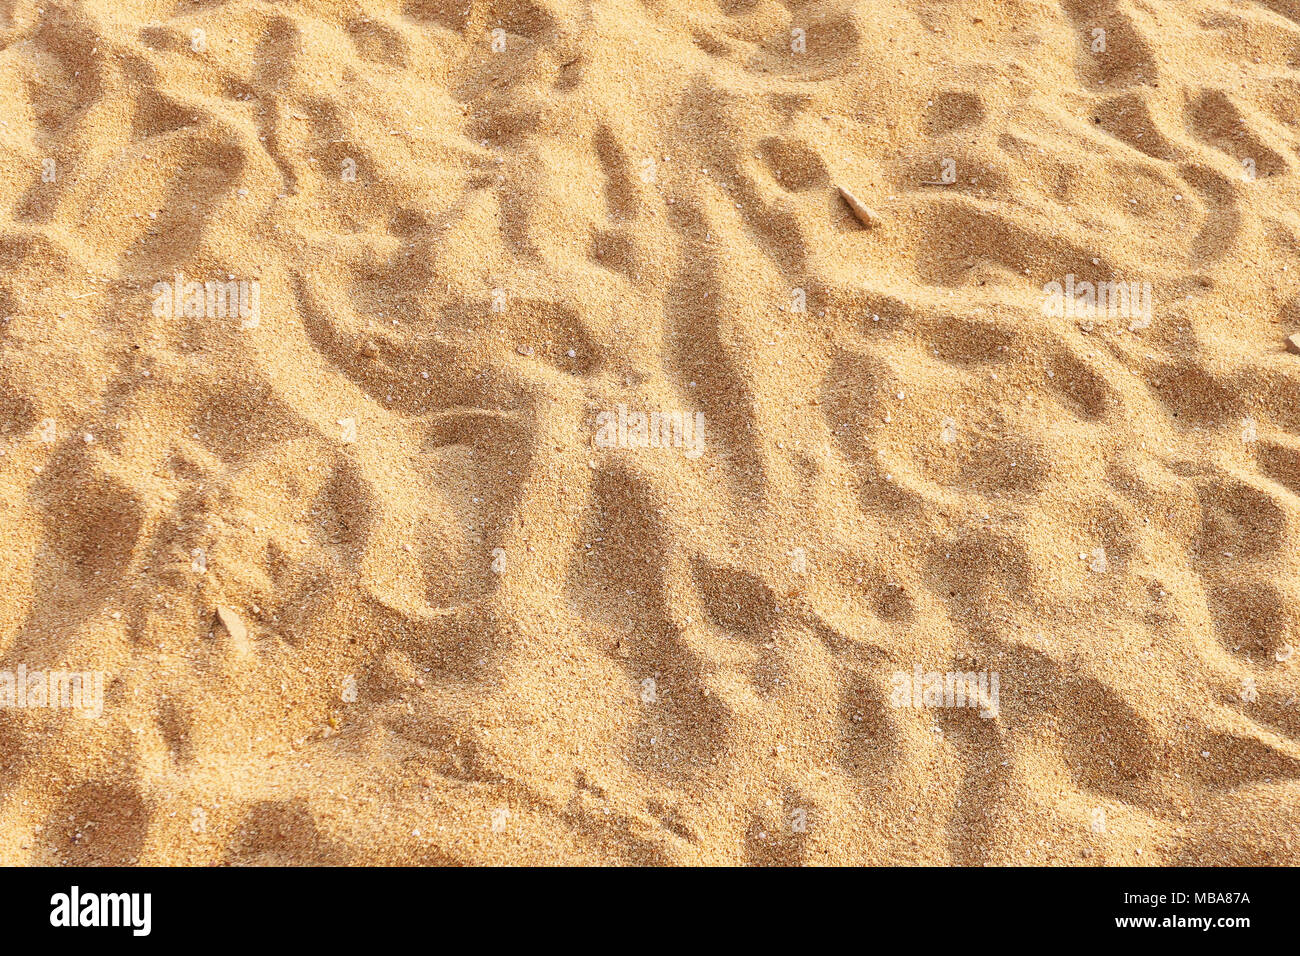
(366, 549)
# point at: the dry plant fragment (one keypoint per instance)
(1293, 343)
(866, 215)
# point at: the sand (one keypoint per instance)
(366, 544)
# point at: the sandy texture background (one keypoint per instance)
(464, 255)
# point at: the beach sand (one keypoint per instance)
(449, 252)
